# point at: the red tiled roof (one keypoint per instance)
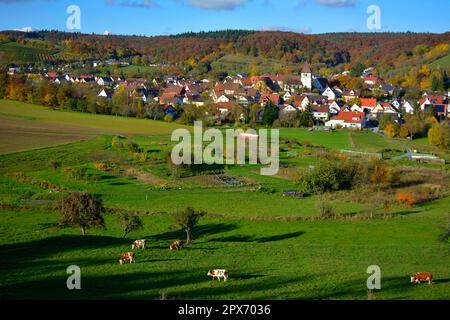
(350, 117)
(372, 102)
(275, 98)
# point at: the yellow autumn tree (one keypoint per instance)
(439, 135)
(392, 130)
(404, 132)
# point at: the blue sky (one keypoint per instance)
(161, 17)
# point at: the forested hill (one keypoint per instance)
(387, 51)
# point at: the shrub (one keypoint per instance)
(161, 187)
(406, 199)
(55, 164)
(404, 132)
(382, 173)
(332, 176)
(103, 166)
(266, 190)
(75, 173)
(117, 142)
(168, 118)
(325, 208)
(392, 130)
(133, 147)
(129, 222)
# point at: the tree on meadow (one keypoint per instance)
(188, 219)
(129, 222)
(82, 210)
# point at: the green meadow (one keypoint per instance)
(274, 247)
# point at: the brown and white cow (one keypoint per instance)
(177, 245)
(421, 277)
(218, 274)
(130, 256)
(139, 244)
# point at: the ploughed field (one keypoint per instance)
(274, 247)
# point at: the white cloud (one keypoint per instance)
(133, 4)
(337, 3)
(217, 4)
(287, 29)
(26, 29)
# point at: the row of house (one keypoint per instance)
(330, 105)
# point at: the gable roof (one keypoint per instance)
(306, 68)
(350, 117)
(368, 102)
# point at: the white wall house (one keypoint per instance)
(407, 107)
(329, 93)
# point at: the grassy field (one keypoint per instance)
(274, 246)
(443, 63)
(25, 126)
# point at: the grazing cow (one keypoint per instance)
(218, 274)
(139, 244)
(422, 276)
(177, 245)
(130, 256)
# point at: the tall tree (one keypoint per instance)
(271, 114)
(188, 219)
(82, 210)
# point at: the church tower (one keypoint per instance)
(307, 76)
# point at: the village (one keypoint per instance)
(241, 98)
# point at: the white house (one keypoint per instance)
(223, 98)
(334, 107)
(329, 93)
(287, 96)
(106, 94)
(407, 107)
(356, 108)
(104, 81)
(347, 120)
(288, 108)
(321, 113)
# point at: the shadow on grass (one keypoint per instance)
(127, 283)
(11, 254)
(357, 288)
(198, 232)
(243, 238)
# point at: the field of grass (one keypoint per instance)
(273, 246)
(443, 63)
(36, 126)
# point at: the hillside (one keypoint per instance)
(13, 52)
(199, 53)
